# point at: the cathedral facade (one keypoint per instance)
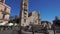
(28, 18)
(4, 12)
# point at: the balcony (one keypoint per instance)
(8, 10)
(25, 9)
(25, 4)
(1, 16)
(6, 18)
(1, 20)
(2, 7)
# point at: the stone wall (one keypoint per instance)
(4, 12)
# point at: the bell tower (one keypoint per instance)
(39, 20)
(24, 12)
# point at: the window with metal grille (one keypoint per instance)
(25, 13)
(24, 20)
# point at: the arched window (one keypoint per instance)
(6, 17)
(2, 7)
(1, 16)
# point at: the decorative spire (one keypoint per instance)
(38, 13)
(39, 18)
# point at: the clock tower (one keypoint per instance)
(24, 12)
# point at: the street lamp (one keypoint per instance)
(46, 30)
(32, 29)
(33, 25)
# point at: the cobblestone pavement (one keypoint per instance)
(15, 32)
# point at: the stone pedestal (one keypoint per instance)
(6, 28)
(1, 29)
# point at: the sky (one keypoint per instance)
(48, 8)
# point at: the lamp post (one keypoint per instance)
(46, 30)
(19, 28)
(54, 28)
(32, 29)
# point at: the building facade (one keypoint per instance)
(56, 25)
(46, 24)
(26, 19)
(4, 12)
